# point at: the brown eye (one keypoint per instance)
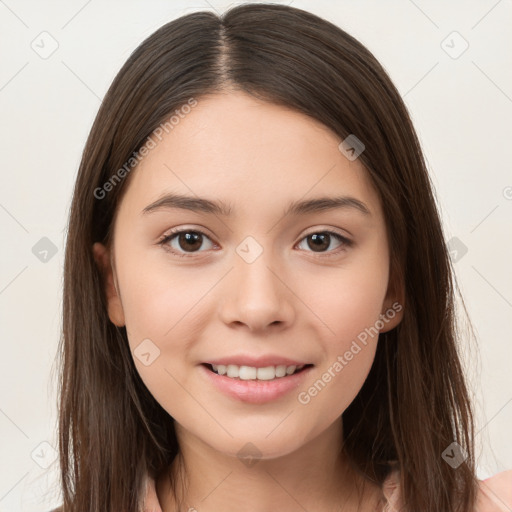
(321, 241)
(318, 242)
(185, 241)
(190, 240)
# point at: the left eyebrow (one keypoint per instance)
(326, 203)
(198, 204)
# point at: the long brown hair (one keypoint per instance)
(414, 403)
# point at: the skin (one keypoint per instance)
(292, 300)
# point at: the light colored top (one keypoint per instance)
(494, 493)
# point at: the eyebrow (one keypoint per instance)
(197, 204)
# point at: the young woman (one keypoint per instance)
(258, 299)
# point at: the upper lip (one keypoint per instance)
(257, 362)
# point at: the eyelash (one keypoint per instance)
(167, 238)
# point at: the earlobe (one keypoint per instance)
(393, 307)
(114, 306)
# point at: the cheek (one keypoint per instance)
(346, 300)
(349, 305)
(165, 311)
(161, 300)
(161, 322)
(336, 383)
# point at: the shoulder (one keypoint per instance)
(495, 493)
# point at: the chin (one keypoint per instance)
(258, 444)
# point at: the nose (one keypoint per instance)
(258, 297)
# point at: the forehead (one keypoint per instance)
(250, 152)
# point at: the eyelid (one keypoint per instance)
(344, 241)
(168, 236)
(185, 229)
(326, 229)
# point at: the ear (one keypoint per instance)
(393, 306)
(102, 257)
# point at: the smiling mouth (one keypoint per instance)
(242, 372)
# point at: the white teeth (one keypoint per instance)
(267, 373)
(233, 370)
(280, 370)
(247, 372)
(252, 373)
(290, 369)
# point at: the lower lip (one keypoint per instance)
(255, 391)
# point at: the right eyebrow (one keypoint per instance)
(195, 204)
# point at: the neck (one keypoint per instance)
(315, 477)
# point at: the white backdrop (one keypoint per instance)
(449, 61)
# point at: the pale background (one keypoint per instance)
(461, 106)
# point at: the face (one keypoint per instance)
(246, 281)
